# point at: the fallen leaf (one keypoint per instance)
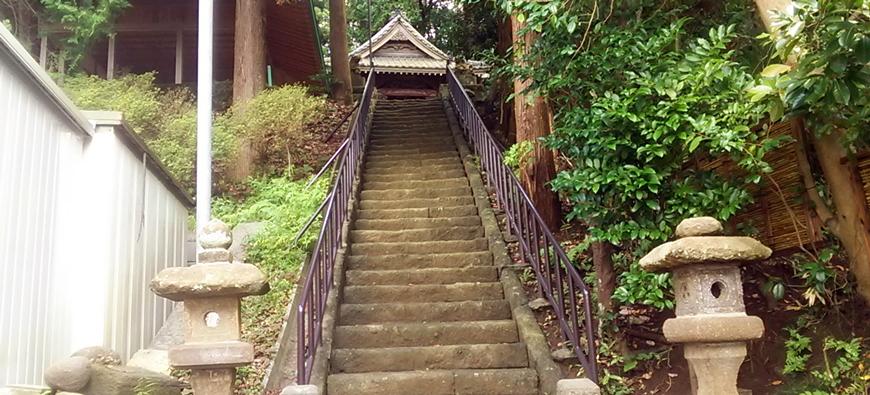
(776, 382)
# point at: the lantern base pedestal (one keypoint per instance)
(713, 367)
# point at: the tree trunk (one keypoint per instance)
(533, 122)
(502, 88)
(342, 88)
(602, 261)
(249, 74)
(851, 220)
(249, 69)
(848, 219)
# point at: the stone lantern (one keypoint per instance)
(711, 320)
(211, 291)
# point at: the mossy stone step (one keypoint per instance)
(414, 223)
(465, 356)
(423, 292)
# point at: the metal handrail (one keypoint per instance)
(558, 279)
(318, 280)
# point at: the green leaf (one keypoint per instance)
(758, 92)
(775, 70)
(572, 25)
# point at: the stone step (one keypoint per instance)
(416, 140)
(418, 174)
(418, 212)
(422, 247)
(411, 151)
(378, 148)
(374, 164)
(416, 193)
(423, 292)
(360, 314)
(419, 122)
(453, 168)
(412, 131)
(369, 204)
(457, 182)
(415, 334)
(414, 260)
(417, 235)
(437, 382)
(465, 356)
(380, 156)
(414, 223)
(422, 276)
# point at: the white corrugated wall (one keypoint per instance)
(84, 226)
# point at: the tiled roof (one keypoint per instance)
(406, 65)
(394, 28)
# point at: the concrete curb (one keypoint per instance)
(530, 332)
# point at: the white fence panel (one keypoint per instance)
(87, 218)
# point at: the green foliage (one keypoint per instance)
(518, 156)
(838, 369)
(798, 350)
(274, 120)
(633, 144)
(86, 21)
(828, 44)
(640, 286)
(283, 205)
(641, 92)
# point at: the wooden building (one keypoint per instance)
(406, 63)
(161, 36)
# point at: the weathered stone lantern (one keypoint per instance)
(211, 291)
(711, 320)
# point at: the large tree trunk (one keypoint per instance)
(851, 222)
(249, 73)
(533, 122)
(342, 88)
(249, 69)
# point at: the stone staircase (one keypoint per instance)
(423, 310)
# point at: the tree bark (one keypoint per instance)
(602, 261)
(532, 123)
(342, 88)
(249, 69)
(851, 220)
(249, 74)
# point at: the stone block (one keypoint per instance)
(70, 374)
(708, 289)
(699, 226)
(153, 360)
(211, 280)
(713, 328)
(215, 234)
(577, 387)
(704, 250)
(211, 355)
(301, 390)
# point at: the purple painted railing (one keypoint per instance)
(558, 279)
(318, 279)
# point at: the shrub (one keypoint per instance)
(275, 123)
